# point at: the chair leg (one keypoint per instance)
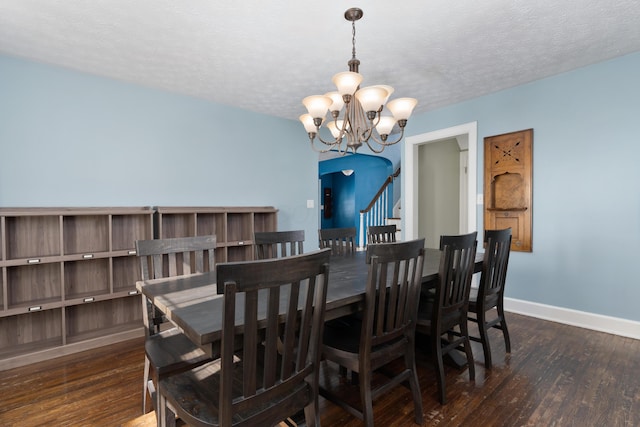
(144, 385)
(312, 414)
(464, 329)
(165, 416)
(484, 339)
(505, 331)
(410, 360)
(366, 397)
(439, 365)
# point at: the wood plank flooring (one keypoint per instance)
(557, 375)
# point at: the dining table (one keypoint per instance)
(193, 304)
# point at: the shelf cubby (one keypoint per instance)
(264, 221)
(86, 278)
(30, 332)
(176, 225)
(240, 227)
(239, 253)
(129, 228)
(212, 223)
(94, 319)
(32, 236)
(34, 285)
(126, 272)
(85, 234)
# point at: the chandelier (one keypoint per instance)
(362, 121)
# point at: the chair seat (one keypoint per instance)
(343, 334)
(196, 391)
(490, 301)
(171, 351)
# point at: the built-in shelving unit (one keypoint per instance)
(67, 280)
(233, 227)
(67, 275)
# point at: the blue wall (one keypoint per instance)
(73, 139)
(586, 183)
(354, 193)
(343, 200)
(70, 139)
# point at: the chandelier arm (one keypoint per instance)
(382, 143)
(336, 141)
(320, 150)
(373, 149)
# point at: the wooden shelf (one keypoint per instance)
(29, 332)
(67, 276)
(233, 226)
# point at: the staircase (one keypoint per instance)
(377, 212)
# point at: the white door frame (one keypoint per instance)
(410, 174)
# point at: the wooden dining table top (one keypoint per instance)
(194, 305)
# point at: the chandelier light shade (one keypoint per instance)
(356, 113)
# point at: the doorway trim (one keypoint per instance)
(410, 169)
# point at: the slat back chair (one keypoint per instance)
(281, 304)
(451, 304)
(169, 351)
(277, 244)
(341, 241)
(490, 292)
(386, 330)
(381, 233)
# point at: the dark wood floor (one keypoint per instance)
(557, 375)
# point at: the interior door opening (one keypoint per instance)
(466, 137)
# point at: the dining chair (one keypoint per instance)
(381, 233)
(384, 333)
(490, 292)
(447, 308)
(276, 301)
(341, 241)
(167, 350)
(276, 244)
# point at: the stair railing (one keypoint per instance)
(377, 211)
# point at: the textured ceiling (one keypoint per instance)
(266, 56)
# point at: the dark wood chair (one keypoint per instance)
(277, 244)
(490, 293)
(281, 303)
(341, 241)
(439, 314)
(167, 350)
(384, 333)
(381, 233)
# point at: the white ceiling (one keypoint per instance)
(267, 55)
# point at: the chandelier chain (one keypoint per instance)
(353, 39)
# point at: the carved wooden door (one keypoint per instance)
(508, 193)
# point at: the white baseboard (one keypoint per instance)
(582, 319)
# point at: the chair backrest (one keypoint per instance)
(283, 301)
(454, 280)
(494, 267)
(176, 256)
(392, 294)
(341, 241)
(168, 258)
(381, 233)
(277, 244)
